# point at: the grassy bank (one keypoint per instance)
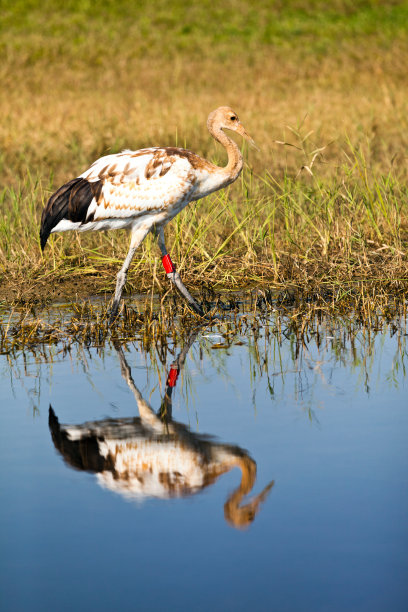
(322, 88)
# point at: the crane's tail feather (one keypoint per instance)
(71, 202)
(82, 453)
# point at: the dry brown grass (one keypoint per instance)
(57, 121)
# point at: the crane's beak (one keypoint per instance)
(241, 130)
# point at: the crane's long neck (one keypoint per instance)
(242, 515)
(235, 161)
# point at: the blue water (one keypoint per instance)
(325, 422)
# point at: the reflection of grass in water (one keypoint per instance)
(283, 341)
(81, 83)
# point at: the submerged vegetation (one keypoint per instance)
(260, 327)
(320, 210)
(156, 324)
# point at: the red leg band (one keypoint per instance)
(172, 377)
(168, 265)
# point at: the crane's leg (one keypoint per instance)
(137, 237)
(174, 276)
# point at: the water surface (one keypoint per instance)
(262, 471)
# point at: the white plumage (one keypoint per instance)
(142, 191)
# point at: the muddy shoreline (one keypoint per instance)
(77, 289)
(52, 290)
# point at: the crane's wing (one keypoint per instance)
(124, 186)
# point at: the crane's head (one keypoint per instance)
(226, 119)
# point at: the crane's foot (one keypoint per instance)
(112, 317)
(176, 280)
(197, 308)
(113, 313)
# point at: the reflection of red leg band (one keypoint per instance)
(172, 377)
(168, 265)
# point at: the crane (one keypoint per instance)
(155, 456)
(142, 191)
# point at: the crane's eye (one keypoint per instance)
(233, 118)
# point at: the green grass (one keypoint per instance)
(262, 232)
(54, 29)
(321, 86)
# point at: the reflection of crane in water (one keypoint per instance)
(154, 456)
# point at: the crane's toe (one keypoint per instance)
(113, 313)
(198, 309)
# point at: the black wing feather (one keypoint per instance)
(71, 202)
(82, 454)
